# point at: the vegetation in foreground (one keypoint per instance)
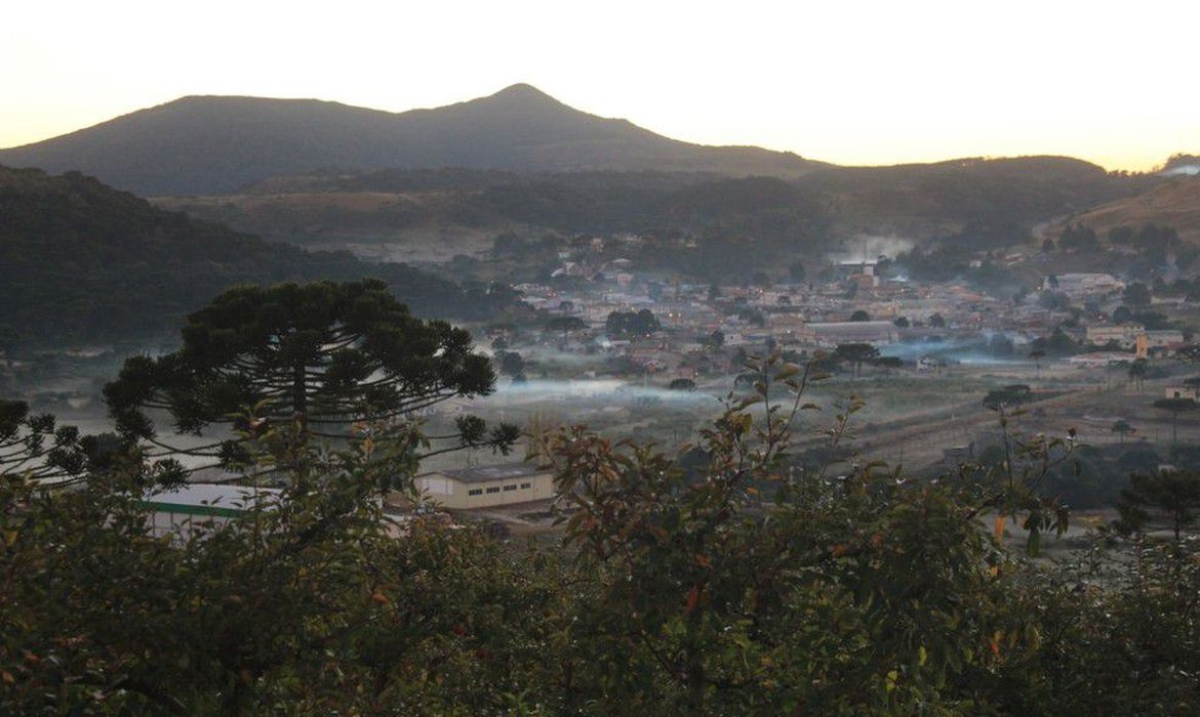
(735, 588)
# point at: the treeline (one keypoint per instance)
(81, 262)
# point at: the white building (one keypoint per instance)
(486, 486)
(202, 507)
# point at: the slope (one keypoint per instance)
(81, 262)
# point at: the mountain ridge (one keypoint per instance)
(205, 144)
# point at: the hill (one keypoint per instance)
(82, 262)
(435, 214)
(206, 145)
(1174, 203)
(925, 199)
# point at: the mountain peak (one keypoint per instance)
(524, 91)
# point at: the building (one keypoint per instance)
(848, 332)
(486, 486)
(1122, 335)
(201, 507)
(1076, 285)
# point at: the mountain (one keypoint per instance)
(82, 262)
(208, 145)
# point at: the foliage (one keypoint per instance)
(324, 354)
(34, 446)
(856, 354)
(1171, 493)
(682, 384)
(632, 323)
(306, 602)
(719, 581)
(1010, 396)
(1176, 406)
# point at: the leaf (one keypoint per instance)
(999, 527)
(693, 599)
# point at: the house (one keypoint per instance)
(198, 507)
(486, 486)
(1122, 335)
(1192, 392)
(846, 332)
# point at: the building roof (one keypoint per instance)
(210, 499)
(484, 474)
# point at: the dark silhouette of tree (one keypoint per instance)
(565, 324)
(1122, 428)
(322, 355)
(856, 354)
(682, 384)
(1172, 494)
(511, 363)
(1009, 396)
(1137, 294)
(1175, 406)
(937, 321)
(1137, 371)
(35, 446)
(860, 315)
(901, 322)
(631, 323)
(1037, 355)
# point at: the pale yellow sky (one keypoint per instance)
(847, 82)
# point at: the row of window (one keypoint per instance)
(496, 489)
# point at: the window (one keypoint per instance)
(526, 486)
(494, 490)
(507, 488)
(475, 491)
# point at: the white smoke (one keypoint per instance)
(869, 247)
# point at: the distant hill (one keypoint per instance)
(1174, 203)
(82, 262)
(917, 199)
(211, 145)
(418, 212)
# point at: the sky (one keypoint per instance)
(852, 82)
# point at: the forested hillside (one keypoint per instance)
(80, 261)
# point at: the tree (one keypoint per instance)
(1173, 493)
(682, 384)
(323, 355)
(937, 321)
(856, 354)
(1122, 428)
(1175, 406)
(1010, 396)
(511, 363)
(860, 315)
(631, 323)
(796, 272)
(901, 322)
(34, 446)
(1037, 355)
(1137, 371)
(1137, 294)
(565, 324)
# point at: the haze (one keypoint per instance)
(850, 83)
